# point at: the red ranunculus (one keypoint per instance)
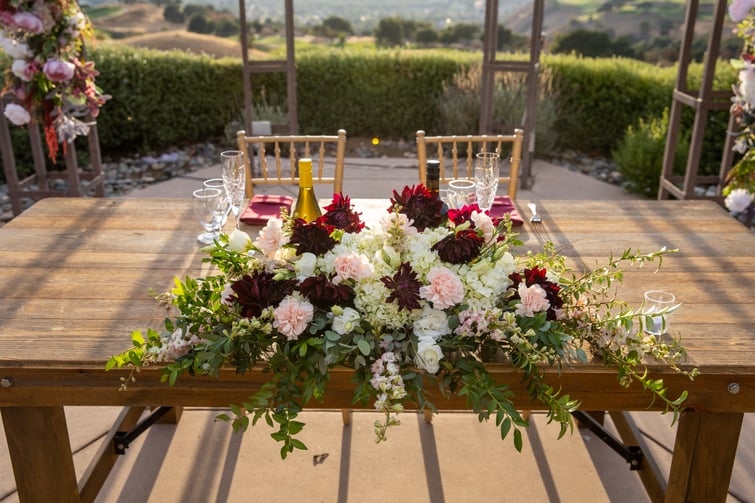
(404, 287)
(256, 292)
(459, 247)
(420, 206)
(313, 237)
(340, 215)
(323, 293)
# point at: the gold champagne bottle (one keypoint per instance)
(306, 203)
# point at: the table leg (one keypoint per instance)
(703, 457)
(40, 453)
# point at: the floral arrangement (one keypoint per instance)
(412, 304)
(50, 76)
(740, 188)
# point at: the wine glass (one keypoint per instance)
(218, 183)
(486, 178)
(234, 180)
(209, 207)
(461, 192)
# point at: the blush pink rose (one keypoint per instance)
(28, 22)
(58, 71)
(445, 288)
(292, 317)
(533, 300)
(352, 266)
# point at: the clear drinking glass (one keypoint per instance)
(657, 301)
(461, 192)
(234, 180)
(486, 173)
(218, 183)
(209, 207)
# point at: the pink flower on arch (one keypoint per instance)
(738, 9)
(58, 71)
(445, 288)
(28, 22)
(292, 317)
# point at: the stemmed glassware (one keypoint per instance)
(218, 183)
(234, 180)
(209, 207)
(486, 173)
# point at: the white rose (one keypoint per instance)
(239, 241)
(433, 323)
(738, 200)
(428, 355)
(15, 49)
(345, 322)
(17, 114)
(20, 69)
(390, 256)
(305, 266)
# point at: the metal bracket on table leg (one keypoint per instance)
(631, 453)
(122, 439)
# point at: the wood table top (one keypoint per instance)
(77, 274)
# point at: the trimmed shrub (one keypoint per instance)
(639, 155)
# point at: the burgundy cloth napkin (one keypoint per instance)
(503, 205)
(263, 207)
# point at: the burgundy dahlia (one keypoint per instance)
(255, 293)
(340, 215)
(463, 214)
(404, 287)
(537, 276)
(459, 247)
(323, 293)
(313, 237)
(419, 205)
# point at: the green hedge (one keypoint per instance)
(163, 99)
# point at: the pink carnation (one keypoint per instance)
(533, 299)
(292, 317)
(352, 266)
(28, 22)
(445, 288)
(58, 71)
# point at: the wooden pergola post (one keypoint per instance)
(287, 66)
(490, 65)
(704, 100)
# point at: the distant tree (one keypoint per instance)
(390, 32)
(594, 44)
(227, 27)
(426, 36)
(200, 24)
(645, 30)
(506, 39)
(194, 8)
(334, 27)
(623, 46)
(173, 13)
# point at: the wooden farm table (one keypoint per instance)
(75, 277)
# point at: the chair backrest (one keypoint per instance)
(462, 150)
(272, 160)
